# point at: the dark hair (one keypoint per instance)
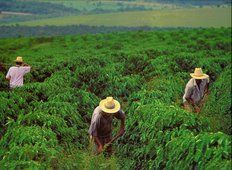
(19, 63)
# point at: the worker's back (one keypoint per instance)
(16, 74)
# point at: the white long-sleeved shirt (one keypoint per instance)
(193, 92)
(16, 74)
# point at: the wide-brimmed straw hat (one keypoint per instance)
(198, 74)
(109, 105)
(19, 59)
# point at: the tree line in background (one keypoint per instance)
(33, 7)
(38, 31)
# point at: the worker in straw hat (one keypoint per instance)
(196, 88)
(100, 130)
(16, 73)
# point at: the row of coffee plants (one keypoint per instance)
(44, 124)
(218, 107)
(163, 136)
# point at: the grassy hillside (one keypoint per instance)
(44, 124)
(164, 13)
(49, 9)
(196, 17)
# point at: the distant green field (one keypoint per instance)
(188, 17)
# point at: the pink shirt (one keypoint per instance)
(16, 74)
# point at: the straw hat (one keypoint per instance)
(19, 59)
(109, 105)
(198, 74)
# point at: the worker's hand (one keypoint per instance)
(197, 109)
(100, 149)
(207, 92)
(185, 104)
(121, 132)
(190, 101)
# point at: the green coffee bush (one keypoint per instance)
(219, 102)
(151, 127)
(204, 151)
(26, 146)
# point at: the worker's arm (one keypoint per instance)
(207, 89)
(122, 127)
(196, 108)
(121, 130)
(99, 144)
(120, 133)
(8, 75)
(26, 67)
(187, 95)
(122, 117)
(95, 121)
(206, 92)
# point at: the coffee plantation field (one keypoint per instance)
(44, 124)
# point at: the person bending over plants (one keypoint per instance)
(100, 129)
(15, 73)
(195, 90)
